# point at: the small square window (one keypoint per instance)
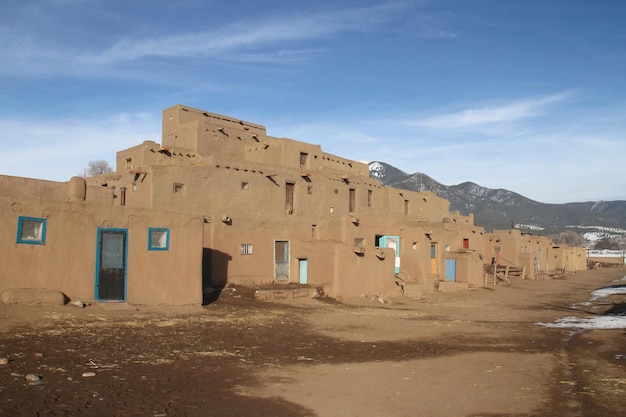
(158, 238)
(31, 230)
(179, 188)
(246, 249)
(245, 185)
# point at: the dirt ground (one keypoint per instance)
(472, 353)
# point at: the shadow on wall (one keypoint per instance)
(214, 274)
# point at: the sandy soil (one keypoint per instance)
(474, 353)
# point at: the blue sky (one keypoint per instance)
(526, 95)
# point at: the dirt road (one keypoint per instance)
(474, 353)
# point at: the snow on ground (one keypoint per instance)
(589, 323)
(607, 291)
(594, 322)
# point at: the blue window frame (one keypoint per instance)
(31, 230)
(158, 238)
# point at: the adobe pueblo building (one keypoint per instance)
(219, 202)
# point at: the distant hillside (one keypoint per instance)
(500, 209)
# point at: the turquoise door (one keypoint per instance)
(450, 269)
(392, 242)
(304, 270)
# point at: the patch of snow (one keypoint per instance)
(595, 206)
(596, 322)
(606, 253)
(589, 323)
(606, 291)
(603, 228)
(528, 227)
(377, 170)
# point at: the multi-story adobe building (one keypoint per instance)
(219, 201)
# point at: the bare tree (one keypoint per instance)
(96, 167)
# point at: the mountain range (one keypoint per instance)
(501, 209)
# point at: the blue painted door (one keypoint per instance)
(111, 258)
(304, 266)
(392, 242)
(450, 269)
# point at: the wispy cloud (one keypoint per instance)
(246, 36)
(491, 114)
(282, 39)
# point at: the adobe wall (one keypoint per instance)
(469, 268)
(186, 130)
(73, 190)
(67, 260)
(570, 259)
(49, 190)
(332, 263)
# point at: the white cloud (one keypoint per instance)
(237, 40)
(282, 38)
(57, 150)
(486, 115)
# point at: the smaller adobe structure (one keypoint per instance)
(219, 201)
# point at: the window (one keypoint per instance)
(289, 192)
(304, 159)
(352, 201)
(406, 207)
(179, 188)
(129, 163)
(31, 230)
(370, 198)
(245, 185)
(158, 238)
(246, 249)
(465, 243)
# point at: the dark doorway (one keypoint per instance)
(111, 265)
(214, 274)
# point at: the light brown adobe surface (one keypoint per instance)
(474, 353)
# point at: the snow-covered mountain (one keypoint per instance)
(499, 208)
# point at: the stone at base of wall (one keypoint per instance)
(33, 296)
(451, 286)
